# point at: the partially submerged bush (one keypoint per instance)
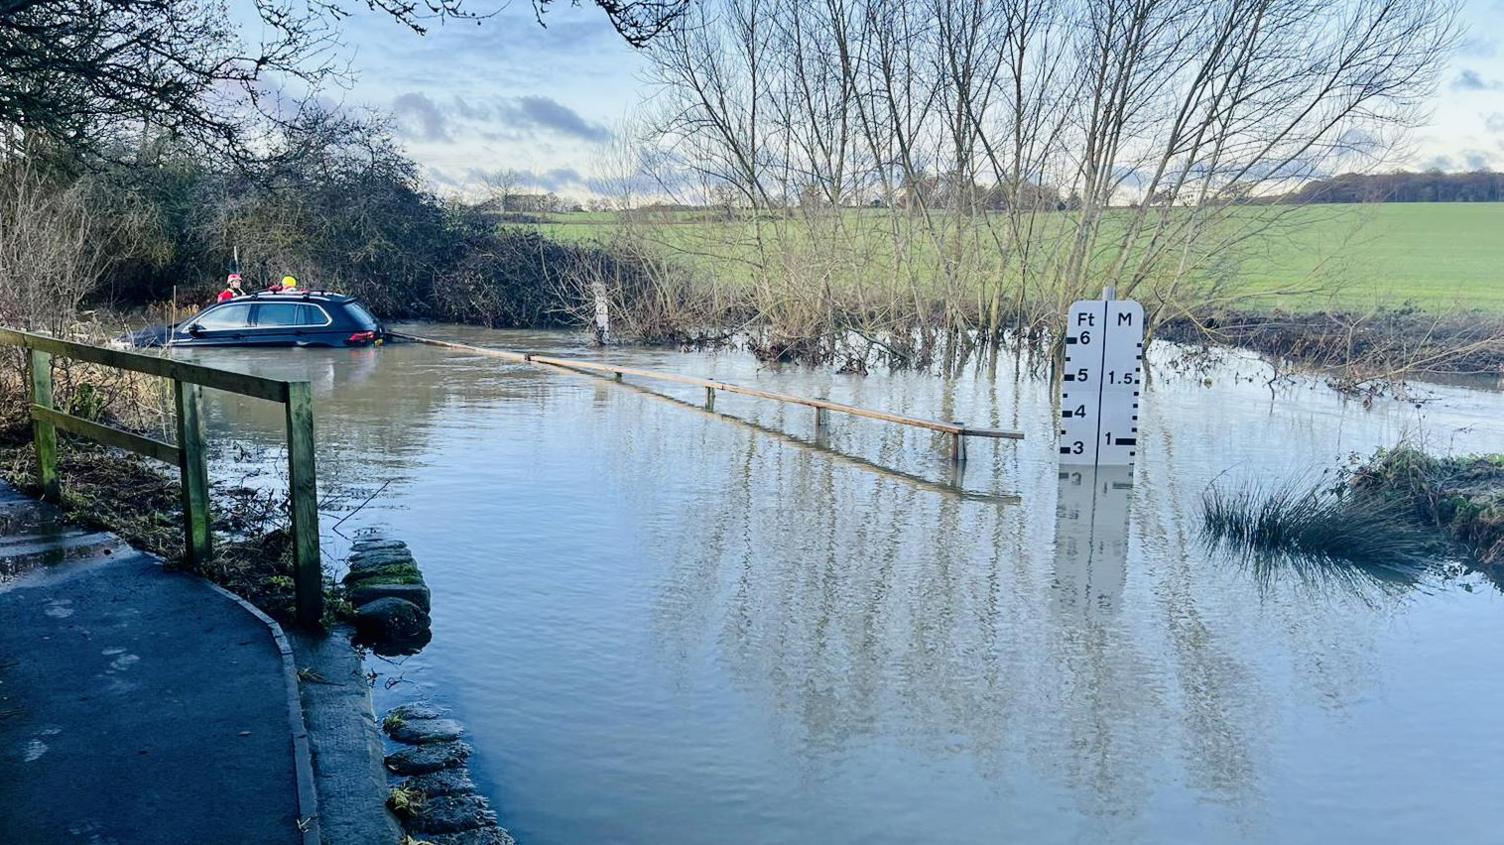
(1358, 351)
(1462, 495)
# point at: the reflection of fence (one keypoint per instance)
(957, 430)
(188, 453)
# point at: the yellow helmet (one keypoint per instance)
(288, 283)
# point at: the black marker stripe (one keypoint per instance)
(1125, 441)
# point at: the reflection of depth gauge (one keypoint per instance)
(1104, 352)
(1091, 539)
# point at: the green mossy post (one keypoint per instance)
(195, 474)
(308, 575)
(44, 432)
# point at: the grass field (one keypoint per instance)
(1440, 256)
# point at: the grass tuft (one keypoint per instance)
(1320, 530)
(405, 801)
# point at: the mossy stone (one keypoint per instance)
(397, 573)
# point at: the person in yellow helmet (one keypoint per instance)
(287, 285)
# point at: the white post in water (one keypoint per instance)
(1104, 352)
(602, 313)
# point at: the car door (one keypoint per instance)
(289, 324)
(221, 325)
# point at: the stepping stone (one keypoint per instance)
(452, 814)
(375, 544)
(376, 560)
(426, 731)
(390, 619)
(442, 782)
(422, 759)
(416, 710)
(478, 836)
(365, 592)
(391, 573)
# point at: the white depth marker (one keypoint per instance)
(1104, 352)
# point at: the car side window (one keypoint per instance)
(274, 314)
(232, 316)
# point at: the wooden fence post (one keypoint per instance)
(44, 434)
(308, 574)
(710, 399)
(958, 446)
(194, 471)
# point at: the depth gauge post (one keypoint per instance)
(1104, 355)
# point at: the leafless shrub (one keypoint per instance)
(49, 254)
(1360, 352)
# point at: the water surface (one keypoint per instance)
(662, 625)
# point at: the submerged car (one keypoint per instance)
(273, 319)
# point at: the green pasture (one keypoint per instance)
(1439, 256)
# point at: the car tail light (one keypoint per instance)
(362, 337)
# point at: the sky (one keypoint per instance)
(501, 94)
(505, 93)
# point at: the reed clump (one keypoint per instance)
(1320, 523)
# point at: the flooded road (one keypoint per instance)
(661, 625)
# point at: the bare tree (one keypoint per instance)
(87, 73)
(998, 158)
(501, 186)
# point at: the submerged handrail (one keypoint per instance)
(957, 430)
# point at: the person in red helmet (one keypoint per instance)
(232, 288)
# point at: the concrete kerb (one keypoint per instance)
(308, 798)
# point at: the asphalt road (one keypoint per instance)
(136, 705)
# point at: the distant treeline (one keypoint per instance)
(1477, 186)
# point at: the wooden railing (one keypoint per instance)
(958, 431)
(188, 454)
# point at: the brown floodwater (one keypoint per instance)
(664, 625)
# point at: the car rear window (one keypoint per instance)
(272, 314)
(361, 316)
(233, 316)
